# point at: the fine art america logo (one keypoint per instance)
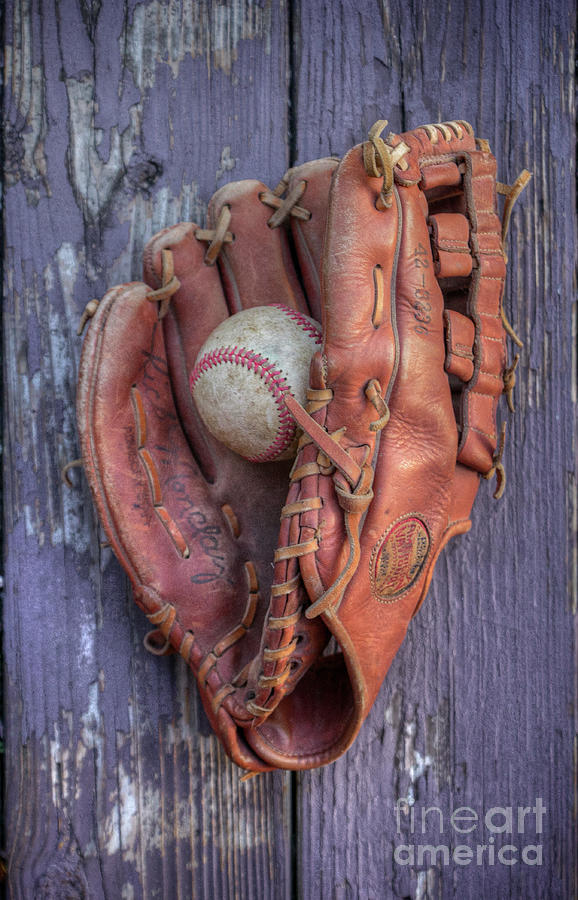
(512, 826)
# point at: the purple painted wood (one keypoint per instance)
(478, 708)
(120, 120)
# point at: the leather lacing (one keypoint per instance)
(88, 313)
(449, 130)
(511, 193)
(497, 467)
(160, 641)
(170, 284)
(216, 236)
(353, 488)
(283, 206)
(380, 159)
(510, 382)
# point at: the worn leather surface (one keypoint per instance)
(401, 424)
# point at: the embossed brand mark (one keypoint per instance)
(398, 558)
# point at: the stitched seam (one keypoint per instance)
(492, 437)
(300, 320)
(442, 158)
(273, 378)
(483, 394)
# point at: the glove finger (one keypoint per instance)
(138, 458)
(255, 493)
(312, 182)
(414, 467)
(262, 264)
(256, 267)
(199, 304)
(187, 559)
(196, 308)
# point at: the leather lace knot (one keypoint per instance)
(88, 313)
(169, 284)
(217, 236)
(285, 206)
(509, 377)
(497, 468)
(380, 159)
(373, 394)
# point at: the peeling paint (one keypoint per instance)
(227, 163)
(147, 215)
(25, 133)
(161, 33)
(93, 181)
(426, 883)
(136, 810)
(69, 262)
(33, 522)
(415, 764)
(392, 713)
(61, 770)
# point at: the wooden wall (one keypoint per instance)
(121, 118)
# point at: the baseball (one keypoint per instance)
(243, 371)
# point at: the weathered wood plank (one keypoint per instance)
(121, 119)
(477, 710)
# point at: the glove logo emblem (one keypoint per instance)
(398, 558)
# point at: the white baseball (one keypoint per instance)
(243, 371)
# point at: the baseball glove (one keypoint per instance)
(400, 425)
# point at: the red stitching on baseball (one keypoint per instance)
(309, 327)
(272, 377)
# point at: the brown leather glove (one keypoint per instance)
(407, 384)
(401, 422)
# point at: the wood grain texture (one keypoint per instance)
(121, 119)
(477, 709)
